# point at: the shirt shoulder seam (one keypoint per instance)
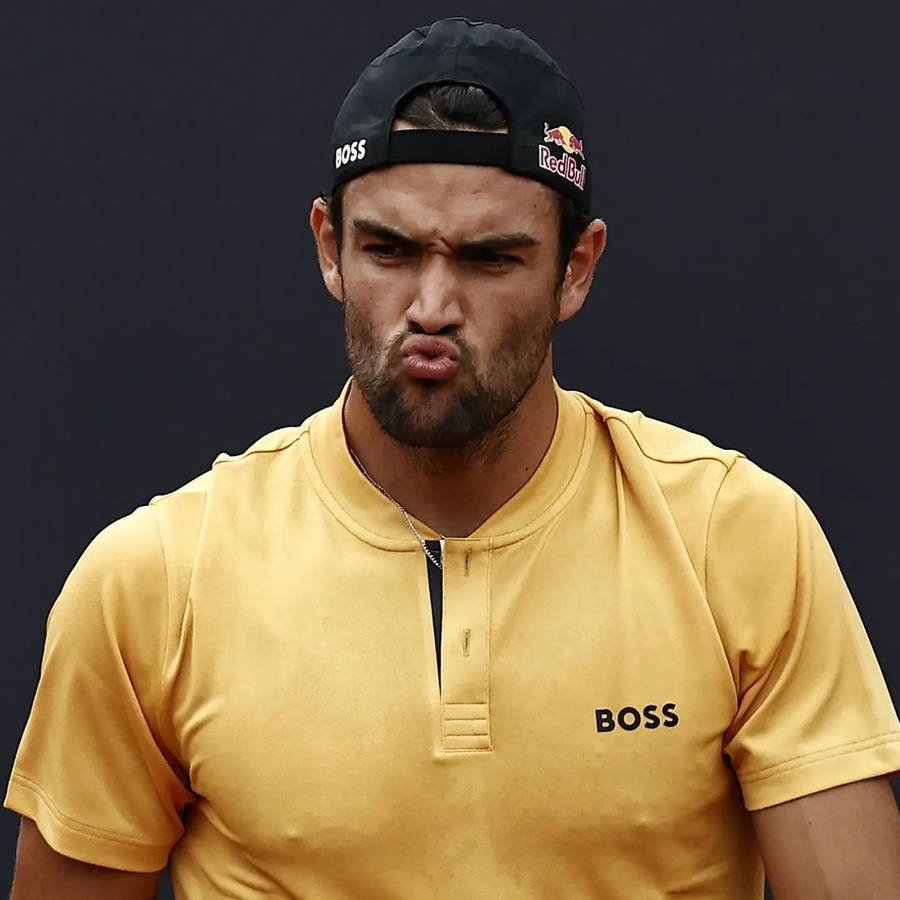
(696, 458)
(283, 444)
(160, 688)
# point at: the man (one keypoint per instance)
(462, 634)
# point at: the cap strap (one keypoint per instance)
(472, 147)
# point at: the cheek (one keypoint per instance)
(494, 335)
(377, 289)
(522, 301)
(513, 332)
(378, 296)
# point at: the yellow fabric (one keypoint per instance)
(244, 672)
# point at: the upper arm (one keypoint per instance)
(42, 872)
(813, 710)
(841, 842)
(97, 768)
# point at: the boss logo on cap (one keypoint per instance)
(349, 153)
(567, 167)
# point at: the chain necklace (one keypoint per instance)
(412, 527)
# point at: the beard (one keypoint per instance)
(471, 413)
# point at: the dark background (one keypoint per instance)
(161, 300)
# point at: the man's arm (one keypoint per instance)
(840, 843)
(42, 874)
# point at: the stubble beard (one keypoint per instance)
(469, 420)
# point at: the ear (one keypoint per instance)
(326, 247)
(580, 269)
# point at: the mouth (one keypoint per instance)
(430, 358)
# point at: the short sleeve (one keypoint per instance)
(91, 769)
(813, 709)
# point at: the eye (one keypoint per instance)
(386, 251)
(491, 259)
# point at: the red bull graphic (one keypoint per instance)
(562, 137)
(566, 166)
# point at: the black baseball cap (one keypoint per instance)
(544, 113)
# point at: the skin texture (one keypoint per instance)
(419, 256)
(474, 420)
(839, 844)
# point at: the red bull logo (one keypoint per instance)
(562, 137)
(566, 166)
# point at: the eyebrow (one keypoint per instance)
(496, 243)
(375, 229)
(492, 243)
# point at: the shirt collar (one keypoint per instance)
(357, 503)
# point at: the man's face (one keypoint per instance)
(450, 293)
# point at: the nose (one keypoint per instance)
(437, 304)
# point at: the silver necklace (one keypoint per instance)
(412, 527)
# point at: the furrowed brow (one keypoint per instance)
(498, 243)
(374, 229)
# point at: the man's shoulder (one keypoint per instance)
(656, 440)
(272, 443)
(270, 467)
(669, 450)
(263, 450)
(683, 476)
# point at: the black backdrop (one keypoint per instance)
(161, 300)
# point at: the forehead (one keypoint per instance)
(452, 201)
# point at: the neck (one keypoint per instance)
(454, 491)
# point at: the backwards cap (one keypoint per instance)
(544, 113)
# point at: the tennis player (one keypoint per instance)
(464, 633)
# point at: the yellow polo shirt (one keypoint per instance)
(648, 639)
